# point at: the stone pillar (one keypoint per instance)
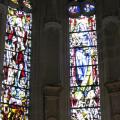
(51, 102)
(114, 94)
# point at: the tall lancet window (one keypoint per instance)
(84, 74)
(16, 65)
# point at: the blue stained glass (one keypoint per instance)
(83, 56)
(89, 8)
(74, 9)
(82, 76)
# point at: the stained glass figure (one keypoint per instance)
(82, 24)
(16, 70)
(84, 73)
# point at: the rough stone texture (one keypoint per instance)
(114, 95)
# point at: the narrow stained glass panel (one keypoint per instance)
(82, 23)
(84, 73)
(17, 56)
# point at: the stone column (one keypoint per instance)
(114, 94)
(51, 102)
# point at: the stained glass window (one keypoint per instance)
(15, 95)
(26, 3)
(84, 73)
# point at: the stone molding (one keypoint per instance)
(54, 24)
(113, 87)
(116, 117)
(51, 102)
(52, 90)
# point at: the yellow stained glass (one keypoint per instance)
(15, 1)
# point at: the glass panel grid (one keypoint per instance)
(17, 63)
(84, 73)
